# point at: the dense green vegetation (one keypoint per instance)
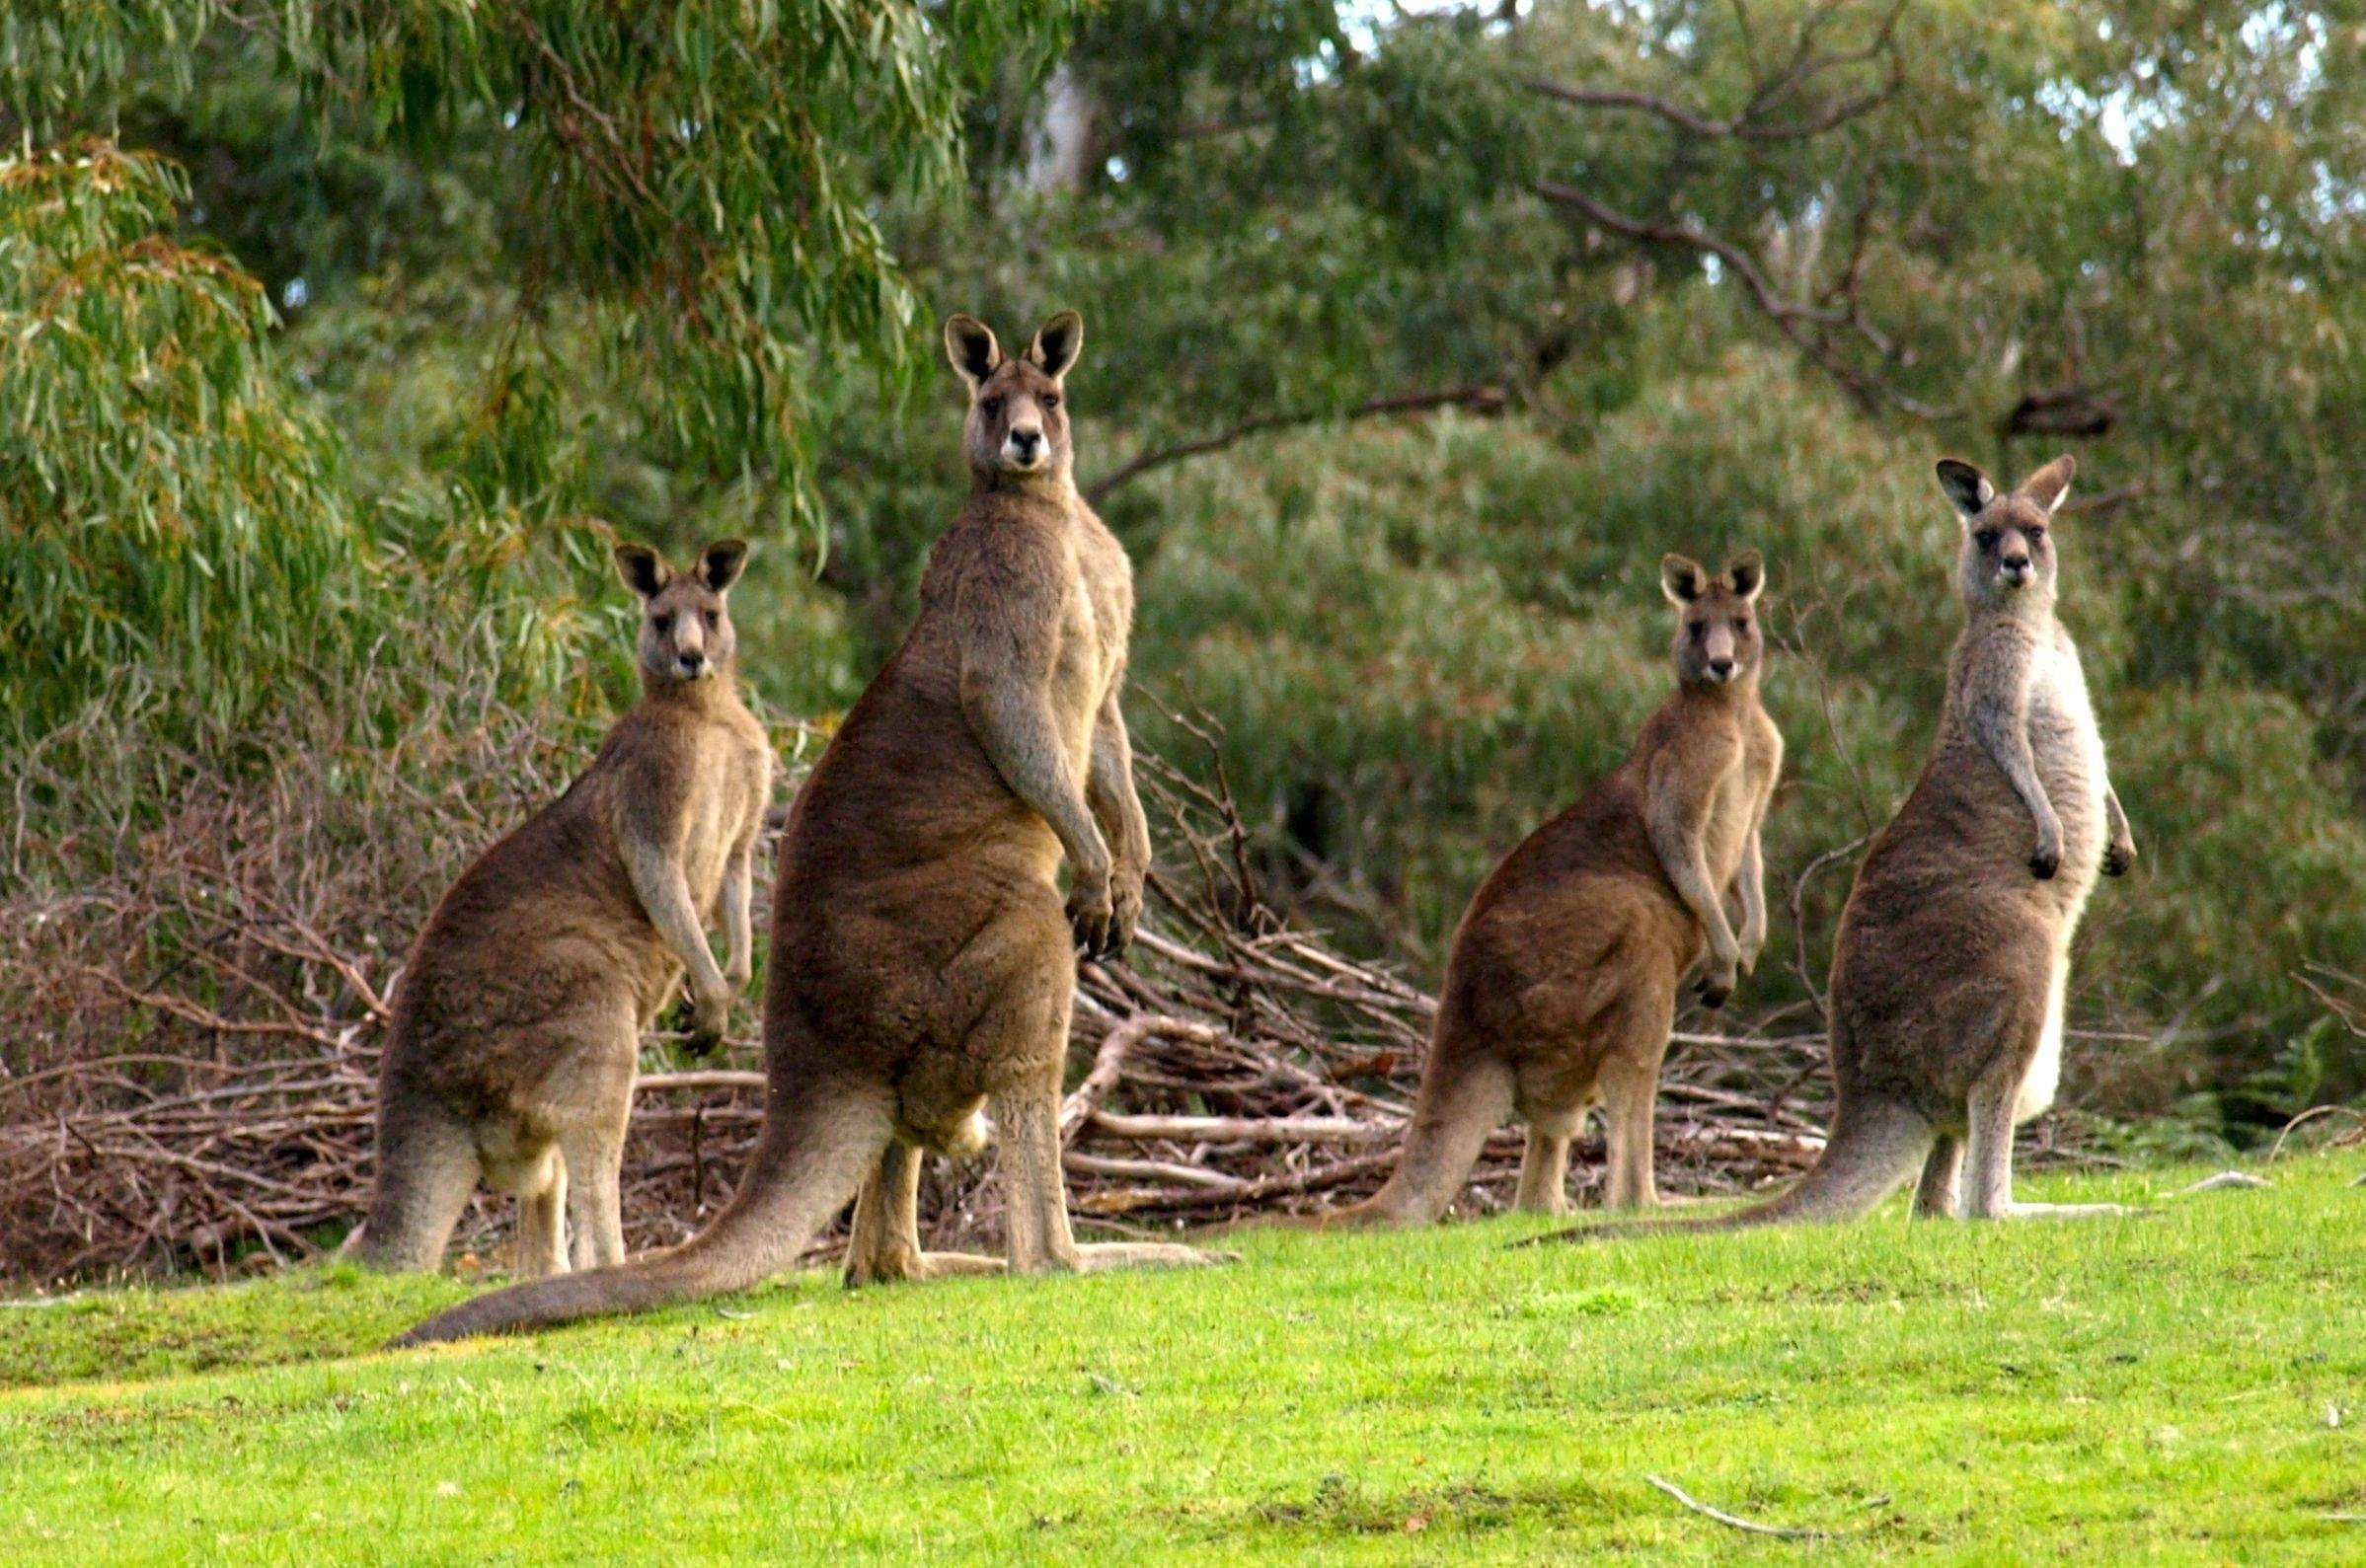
(365, 328)
(2179, 1388)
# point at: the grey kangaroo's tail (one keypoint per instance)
(813, 1156)
(1876, 1146)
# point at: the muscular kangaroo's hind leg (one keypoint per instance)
(1035, 1197)
(1993, 1104)
(539, 1248)
(593, 1150)
(1940, 1194)
(1544, 1171)
(886, 1243)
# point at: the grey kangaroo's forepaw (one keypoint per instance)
(2045, 863)
(2118, 858)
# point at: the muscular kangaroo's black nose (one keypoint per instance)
(1720, 668)
(692, 663)
(1027, 440)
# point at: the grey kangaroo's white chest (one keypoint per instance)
(1098, 617)
(2068, 750)
(724, 794)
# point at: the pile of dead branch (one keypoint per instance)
(196, 1040)
(193, 1040)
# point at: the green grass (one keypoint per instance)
(2189, 1385)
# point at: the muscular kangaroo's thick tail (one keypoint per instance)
(1876, 1146)
(813, 1156)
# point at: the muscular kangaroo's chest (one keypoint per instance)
(2064, 741)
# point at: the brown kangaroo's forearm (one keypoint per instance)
(658, 882)
(1012, 722)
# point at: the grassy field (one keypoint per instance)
(2188, 1385)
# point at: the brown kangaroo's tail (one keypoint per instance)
(1457, 1108)
(812, 1158)
(1876, 1145)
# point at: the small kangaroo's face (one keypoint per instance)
(1717, 641)
(685, 625)
(2007, 539)
(1018, 407)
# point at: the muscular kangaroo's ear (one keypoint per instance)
(1965, 485)
(643, 570)
(969, 343)
(2049, 486)
(722, 562)
(1682, 578)
(1747, 572)
(1057, 343)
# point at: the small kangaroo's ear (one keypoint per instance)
(1682, 578)
(969, 343)
(1965, 485)
(1747, 572)
(722, 562)
(1057, 343)
(2049, 486)
(643, 570)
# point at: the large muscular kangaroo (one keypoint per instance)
(1560, 987)
(520, 1011)
(922, 961)
(1949, 973)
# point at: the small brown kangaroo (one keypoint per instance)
(519, 1015)
(1560, 987)
(1953, 952)
(923, 962)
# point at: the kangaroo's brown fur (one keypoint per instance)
(1949, 973)
(1560, 987)
(519, 1015)
(922, 961)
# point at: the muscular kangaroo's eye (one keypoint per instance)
(2036, 537)
(992, 407)
(1741, 628)
(1987, 538)
(663, 622)
(1051, 399)
(1698, 630)
(712, 619)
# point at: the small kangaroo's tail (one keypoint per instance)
(1876, 1146)
(1454, 1113)
(812, 1158)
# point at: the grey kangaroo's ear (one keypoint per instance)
(643, 570)
(1965, 485)
(1057, 343)
(2049, 486)
(1682, 578)
(722, 562)
(1747, 572)
(969, 343)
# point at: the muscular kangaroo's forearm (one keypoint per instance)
(738, 894)
(1752, 877)
(1014, 724)
(658, 882)
(1679, 851)
(2117, 818)
(1109, 791)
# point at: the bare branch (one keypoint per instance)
(1479, 399)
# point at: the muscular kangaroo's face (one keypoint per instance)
(685, 626)
(1017, 410)
(1716, 621)
(2007, 539)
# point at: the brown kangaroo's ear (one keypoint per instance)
(2051, 485)
(1747, 572)
(643, 570)
(969, 343)
(1965, 485)
(1057, 343)
(722, 562)
(1682, 578)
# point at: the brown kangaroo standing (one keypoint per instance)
(1953, 953)
(922, 962)
(519, 1015)
(1560, 987)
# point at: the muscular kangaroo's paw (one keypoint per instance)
(2118, 858)
(2044, 862)
(1091, 917)
(1714, 987)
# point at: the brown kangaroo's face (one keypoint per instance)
(1017, 408)
(1716, 621)
(685, 625)
(2007, 539)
